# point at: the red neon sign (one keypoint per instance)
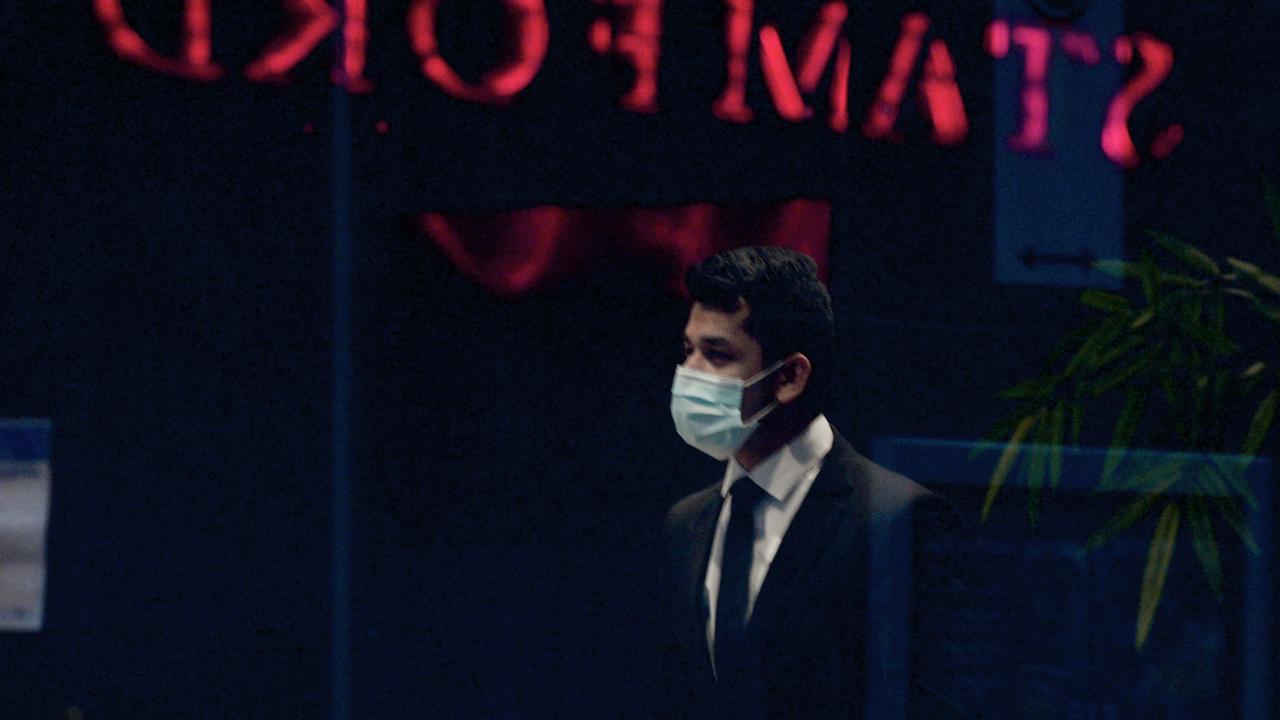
(1157, 62)
(816, 49)
(634, 36)
(939, 94)
(1037, 43)
(631, 30)
(197, 47)
(523, 49)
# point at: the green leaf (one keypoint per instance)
(996, 436)
(1036, 461)
(1204, 543)
(1256, 303)
(1237, 292)
(1157, 571)
(1091, 350)
(1260, 424)
(1071, 342)
(1057, 420)
(1005, 464)
(1116, 378)
(1040, 388)
(1263, 279)
(1268, 312)
(1225, 477)
(1234, 517)
(1219, 317)
(1154, 474)
(1135, 406)
(1167, 473)
(1143, 318)
(1182, 281)
(1105, 301)
(1120, 349)
(1077, 420)
(1114, 268)
(1253, 370)
(1148, 276)
(1215, 340)
(1191, 256)
(1120, 268)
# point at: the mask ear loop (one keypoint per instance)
(759, 415)
(763, 373)
(762, 412)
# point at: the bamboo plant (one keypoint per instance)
(1193, 347)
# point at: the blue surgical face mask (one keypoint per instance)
(707, 410)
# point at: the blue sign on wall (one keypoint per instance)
(1059, 201)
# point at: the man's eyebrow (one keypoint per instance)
(713, 340)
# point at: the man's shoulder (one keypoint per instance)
(693, 504)
(880, 483)
(885, 494)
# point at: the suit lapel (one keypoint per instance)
(694, 615)
(830, 500)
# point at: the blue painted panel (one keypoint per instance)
(1045, 626)
(1067, 202)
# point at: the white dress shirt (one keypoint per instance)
(786, 477)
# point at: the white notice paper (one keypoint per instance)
(24, 517)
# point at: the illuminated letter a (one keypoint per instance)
(939, 94)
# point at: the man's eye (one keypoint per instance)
(717, 356)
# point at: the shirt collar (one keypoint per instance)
(780, 473)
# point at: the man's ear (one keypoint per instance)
(792, 378)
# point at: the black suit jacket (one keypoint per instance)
(812, 641)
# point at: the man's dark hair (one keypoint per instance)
(790, 310)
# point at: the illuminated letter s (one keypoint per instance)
(1157, 62)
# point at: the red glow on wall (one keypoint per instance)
(1080, 47)
(1157, 62)
(732, 103)
(818, 44)
(778, 77)
(524, 47)
(631, 30)
(815, 53)
(840, 88)
(1033, 133)
(634, 34)
(308, 22)
(349, 72)
(883, 114)
(1123, 50)
(996, 39)
(1166, 141)
(514, 252)
(939, 94)
(197, 47)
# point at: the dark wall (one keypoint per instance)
(166, 300)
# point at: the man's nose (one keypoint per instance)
(696, 361)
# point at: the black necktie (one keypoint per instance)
(735, 578)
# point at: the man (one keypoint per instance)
(768, 568)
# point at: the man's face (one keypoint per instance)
(717, 343)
